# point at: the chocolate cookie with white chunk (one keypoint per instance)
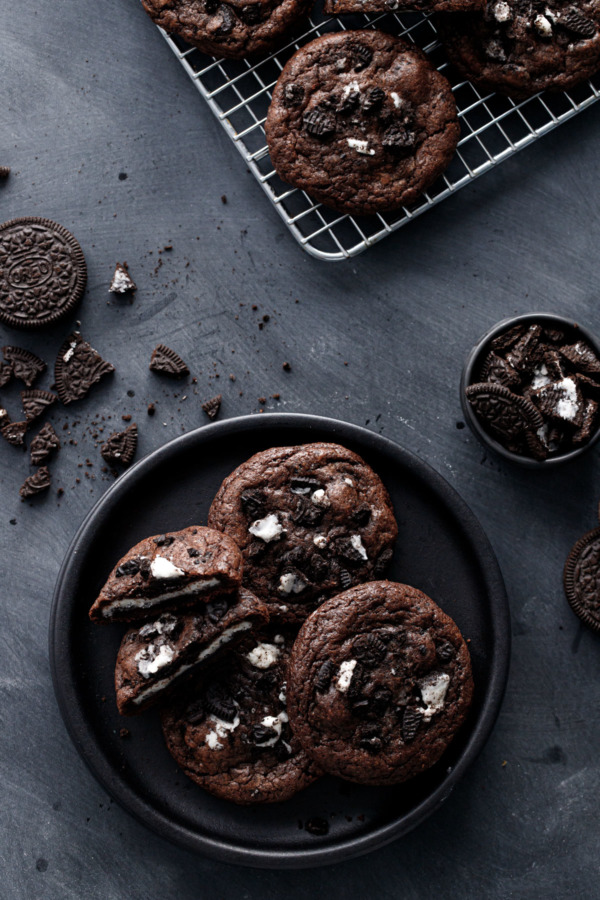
(361, 121)
(157, 657)
(379, 683)
(235, 29)
(520, 47)
(311, 520)
(168, 572)
(230, 732)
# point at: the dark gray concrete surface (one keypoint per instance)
(90, 93)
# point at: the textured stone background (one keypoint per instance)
(90, 93)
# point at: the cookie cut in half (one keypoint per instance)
(310, 520)
(361, 121)
(582, 579)
(379, 683)
(157, 657)
(168, 572)
(230, 732)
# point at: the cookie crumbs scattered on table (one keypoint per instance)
(122, 282)
(37, 483)
(211, 407)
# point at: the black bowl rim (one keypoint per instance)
(82, 735)
(466, 380)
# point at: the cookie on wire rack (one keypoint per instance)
(520, 47)
(362, 122)
(236, 29)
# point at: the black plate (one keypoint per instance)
(441, 549)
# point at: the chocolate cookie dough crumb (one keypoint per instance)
(212, 406)
(37, 483)
(126, 417)
(286, 367)
(223, 198)
(122, 282)
(167, 362)
(151, 409)
(4, 171)
(262, 400)
(317, 826)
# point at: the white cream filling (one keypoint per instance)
(196, 587)
(267, 529)
(222, 728)
(345, 675)
(320, 498)
(67, 356)
(223, 638)
(290, 583)
(352, 87)
(396, 98)
(540, 377)
(276, 723)
(263, 656)
(163, 569)
(433, 692)
(568, 405)
(357, 543)
(121, 282)
(320, 541)
(360, 146)
(149, 661)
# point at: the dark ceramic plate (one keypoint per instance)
(441, 549)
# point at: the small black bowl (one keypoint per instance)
(476, 357)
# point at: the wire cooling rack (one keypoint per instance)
(492, 129)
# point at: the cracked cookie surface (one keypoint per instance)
(520, 47)
(230, 733)
(361, 121)
(379, 683)
(235, 29)
(311, 520)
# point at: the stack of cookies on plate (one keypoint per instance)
(271, 646)
(361, 120)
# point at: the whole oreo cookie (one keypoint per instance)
(235, 29)
(379, 683)
(311, 520)
(582, 579)
(42, 273)
(520, 47)
(230, 733)
(361, 121)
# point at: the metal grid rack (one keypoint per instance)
(492, 129)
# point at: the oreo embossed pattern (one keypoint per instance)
(531, 389)
(42, 273)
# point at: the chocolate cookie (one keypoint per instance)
(582, 579)
(339, 7)
(156, 658)
(42, 272)
(361, 121)
(379, 683)
(235, 29)
(25, 366)
(520, 47)
(169, 572)
(230, 733)
(310, 520)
